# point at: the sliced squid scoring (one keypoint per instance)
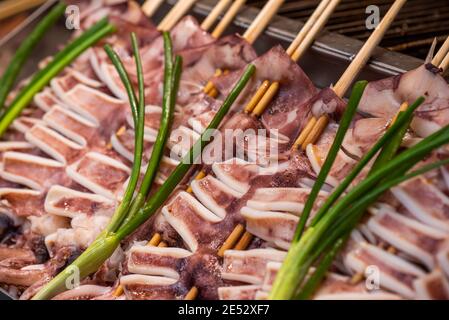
(46, 99)
(52, 143)
(238, 292)
(235, 173)
(94, 105)
(271, 272)
(32, 171)
(282, 199)
(425, 202)
(277, 228)
(22, 202)
(165, 169)
(67, 202)
(339, 287)
(156, 261)
(200, 122)
(124, 142)
(259, 148)
(188, 216)
(443, 260)
(70, 79)
(24, 123)
(70, 124)
(152, 120)
(100, 174)
(408, 235)
(83, 292)
(181, 140)
(340, 169)
(214, 194)
(249, 265)
(148, 287)
(432, 286)
(396, 274)
(15, 146)
(110, 77)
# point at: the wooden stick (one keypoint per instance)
(307, 26)
(9, 8)
(150, 7)
(304, 133)
(403, 107)
(214, 14)
(356, 66)
(257, 96)
(227, 19)
(192, 294)
(316, 28)
(232, 239)
(439, 57)
(262, 20)
(199, 176)
(175, 14)
(365, 53)
(266, 99)
(155, 240)
(118, 291)
(316, 131)
(244, 241)
(298, 47)
(445, 63)
(251, 34)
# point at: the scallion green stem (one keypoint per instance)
(23, 52)
(171, 85)
(59, 62)
(139, 107)
(103, 247)
(178, 174)
(345, 122)
(352, 205)
(312, 283)
(402, 119)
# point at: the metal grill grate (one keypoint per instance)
(413, 31)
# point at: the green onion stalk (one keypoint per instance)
(23, 52)
(171, 86)
(138, 110)
(62, 59)
(102, 248)
(336, 219)
(86, 263)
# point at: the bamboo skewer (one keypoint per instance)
(266, 92)
(441, 54)
(307, 26)
(444, 50)
(179, 10)
(298, 47)
(9, 8)
(251, 34)
(352, 71)
(167, 23)
(262, 20)
(239, 238)
(150, 7)
(227, 19)
(445, 63)
(214, 14)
